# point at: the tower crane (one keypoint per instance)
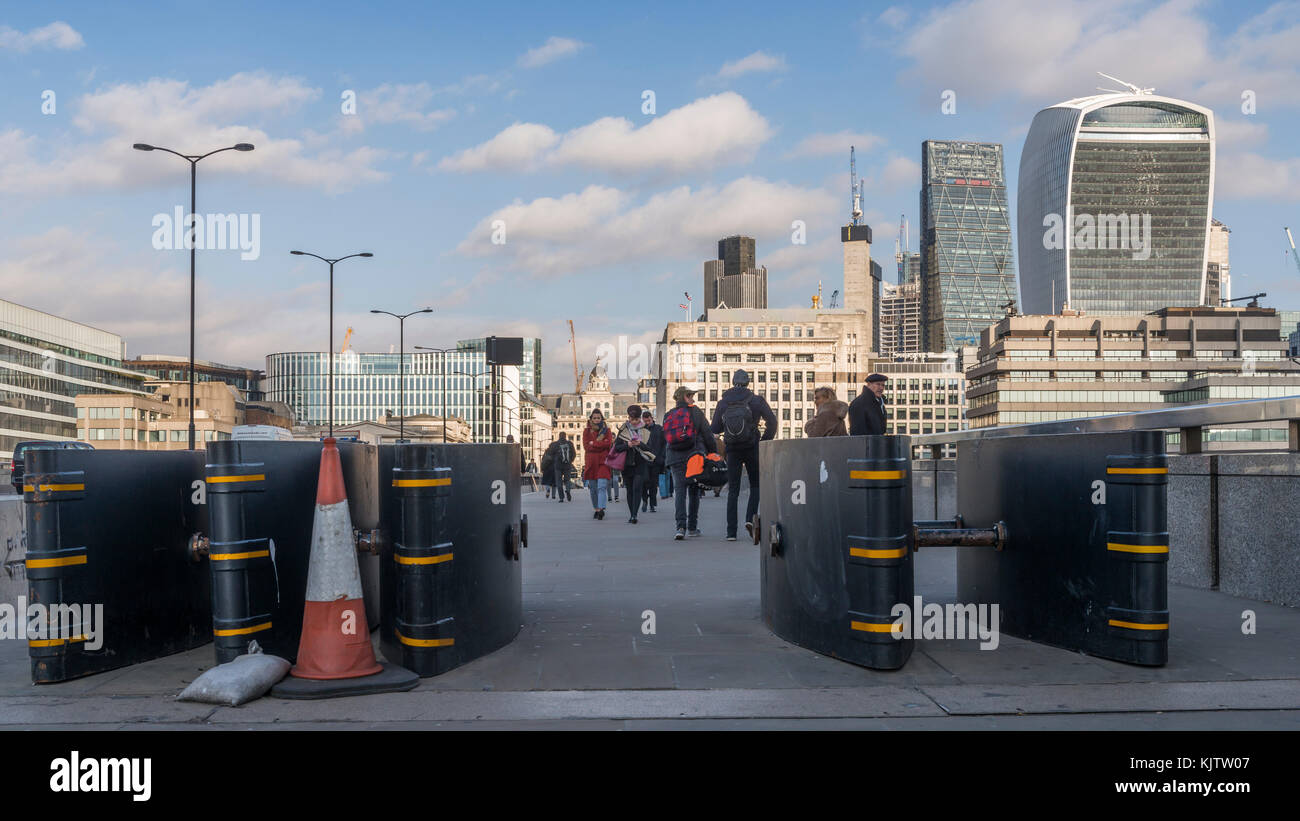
(855, 189)
(346, 338)
(1294, 255)
(577, 374)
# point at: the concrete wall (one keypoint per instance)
(934, 488)
(13, 549)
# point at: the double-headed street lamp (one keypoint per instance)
(330, 349)
(193, 160)
(401, 369)
(442, 373)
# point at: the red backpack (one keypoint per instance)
(679, 429)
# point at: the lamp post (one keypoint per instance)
(442, 377)
(401, 369)
(492, 392)
(330, 349)
(193, 160)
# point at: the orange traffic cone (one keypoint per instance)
(335, 643)
(335, 639)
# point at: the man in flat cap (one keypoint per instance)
(867, 412)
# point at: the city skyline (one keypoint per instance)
(547, 133)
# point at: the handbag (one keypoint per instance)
(615, 461)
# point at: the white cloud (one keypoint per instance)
(174, 114)
(603, 226)
(1231, 135)
(1250, 176)
(57, 35)
(705, 133)
(404, 104)
(553, 49)
(894, 16)
(759, 62)
(1045, 53)
(517, 147)
(821, 145)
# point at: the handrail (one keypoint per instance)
(1190, 420)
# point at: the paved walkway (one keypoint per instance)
(582, 660)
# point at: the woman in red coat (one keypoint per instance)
(597, 439)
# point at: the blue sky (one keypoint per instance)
(532, 114)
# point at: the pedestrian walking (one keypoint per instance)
(867, 411)
(736, 417)
(634, 440)
(829, 418)
(650, 498)
(686, 432)
(561, 454)
(597, 439)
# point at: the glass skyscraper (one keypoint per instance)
(967, 270)
(1129, 180)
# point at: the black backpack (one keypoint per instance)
(739, 428)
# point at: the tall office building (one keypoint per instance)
(900, 319)
(967, 270)
(47, 362)
(1218, 257)
(734, 280)
(1129, 178)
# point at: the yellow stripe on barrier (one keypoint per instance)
(864, 553)
(877, 474)
(425, 642)
(52, 642)
(446, 557)
(869, 627)
(421, 482)
(249, 477)
(63, 561)
(1138, 548)
(1132, 625)
(1137, 470)
(230, 557)
(47, 488)
(243, 631)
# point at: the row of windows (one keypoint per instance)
(140, 435)
(763, 331)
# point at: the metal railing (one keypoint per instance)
(1189, 420)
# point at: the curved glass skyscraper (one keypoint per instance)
(1113, 208)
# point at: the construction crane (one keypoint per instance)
(1254, 300)
(835, 298)
(1294, 255)
(577, 374)
(855, 190)
(346, 338)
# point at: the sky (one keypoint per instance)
(514, 166)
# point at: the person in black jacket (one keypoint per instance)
(650, 500)
(634, 439)
(867, 412)
(736, 417)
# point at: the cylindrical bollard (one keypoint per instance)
(879, 561)
(243, 570)
(1138, 549)
(424, 627)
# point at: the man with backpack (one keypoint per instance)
(686, 432)
(736, 418)
(560, 454)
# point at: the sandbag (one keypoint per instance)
(239, 681)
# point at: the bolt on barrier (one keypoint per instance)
(112, 576)
(450, 571)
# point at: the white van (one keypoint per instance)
(260, 433)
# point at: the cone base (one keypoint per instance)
(390, 679)
(326, 653)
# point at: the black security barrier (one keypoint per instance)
(835, 525)
(1085, 562)
(111, 559)
(450, 573)
(262, 498)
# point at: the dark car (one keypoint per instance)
(16, 472)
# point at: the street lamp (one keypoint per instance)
(330, 350)
(193, 160)
(442, 374)
(401, 370)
